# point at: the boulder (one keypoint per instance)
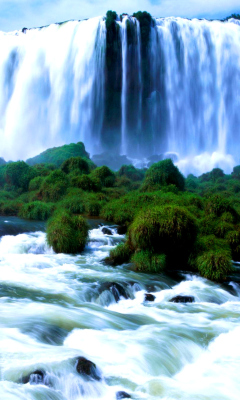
(87, 368)
(149, 297)
(35, 378)
(116, 289)
(182, 299)
(122, 395)
(106, 231)
(122, 230)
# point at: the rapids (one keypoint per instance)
(55, 308)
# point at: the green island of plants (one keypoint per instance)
(172, 222)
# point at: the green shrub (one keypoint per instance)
(19, 174)
(67, 233)
(54, 186)
(131, 173)
(163, 173)
(85, 182)
(10, 207)
(37, 211)
(74, 204)
(104, 176)
(82, 165)
(233, 239)
(145, 261)
(215, 264)
(35, 183)
(169, 230)
(218, 205)
(120, 255)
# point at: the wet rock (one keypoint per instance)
(122, 395)
(24, 30)
(149, 297)
(35, 378)
(122, 230)
(106, 231)
(87, 368)
(116, 289)
(182, 299)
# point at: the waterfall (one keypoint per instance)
(52, 87)
(181, 96)
(124, 83)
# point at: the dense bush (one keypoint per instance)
(85, 182)
(131, 173)
(37, 210)
(162, 229)
(19, 174)
(215, 264)
(54, 186)
(82, 165)
(104, 176)
(163, 173)
(67, 233)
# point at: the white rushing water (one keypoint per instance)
(55, 308)
(182, 98)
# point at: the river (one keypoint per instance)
(56, 307)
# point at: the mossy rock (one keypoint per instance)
(145, 261)
(67, 233)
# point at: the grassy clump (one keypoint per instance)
(145, 261)
(37, 210)
(120, 255)
(67, 233)
(78, 164)
(85, 182)
(54, 186)
(215, 264)
(162, 229)
(104, 176)
(163, 173)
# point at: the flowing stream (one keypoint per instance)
(55, 308)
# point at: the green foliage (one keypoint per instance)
(235, 16)
(162, 229)
(87, 183)
(10, 207)
(145, 261)
(163, 173)
(67, 233)
(19, 174)
(120, 255)
(53, 187)
(131, 173)
(215, 264)
(218, 205)
(236, 172)
(79, 164)
(111, 17)
(35, 183)
(37, 210)
(146, 21)
(104, 176)
(58, 155)
(233, 239)
(213, 176)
